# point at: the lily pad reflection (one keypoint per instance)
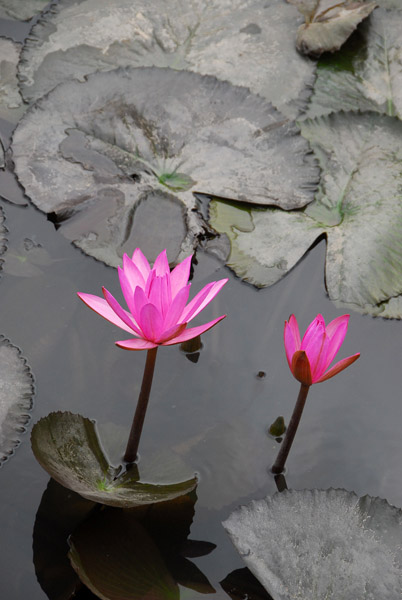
(92, 154)
(316, 544)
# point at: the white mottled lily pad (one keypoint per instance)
(21, 9)
(365, 74)
(67, 446)
(316, 544)
(246, 42)
(11, 104)
(358, 208)
(16, 392)
(108, 153)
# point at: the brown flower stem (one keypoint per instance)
(279, 464)
(139, 416)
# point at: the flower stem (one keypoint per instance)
(291, 430)
(139, 416)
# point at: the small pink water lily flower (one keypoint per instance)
(158, 313)
(310, 358)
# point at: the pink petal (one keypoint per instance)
(340, 366)
(291, 337)
(336, 330)
(127, 290)
(100, 306)
(321, 359)
(313, 339)
(172, 332)
(159, 293)
(151, 323)
(141, 263)
(149, 283)
(161, 265)
(179, 276)
(120, 312)
(140, 300)
(133, 274)
(201, 300)
(192, 332)
(136, 344)
(175, 310)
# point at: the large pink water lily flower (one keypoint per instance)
(158, 313)
(310, 357)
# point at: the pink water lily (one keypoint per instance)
(158, 313)
(310, 357)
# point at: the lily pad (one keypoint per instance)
(11, 104)
(315, 544)
(366, 74)
(68, 448)
(26, 259)
(328, 30)
(16, 392)
(127, 137)
(249, 43)
(22, 10)
(358, 208)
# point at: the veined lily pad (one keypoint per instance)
(315, 544)
(11, 105)
(16, 392)
(94, 153)
(326, 31)
(68, 448)
(21, 9)
(246, 42)
(358, 208)
(367, 73)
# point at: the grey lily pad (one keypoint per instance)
(328, 30)
(26, 259)
(367, 73)
(128, 138)
(67, 446)
(21, 9)
(315, 544)
(358, 208)
(249, 43)
(11, 105)
(16, 393)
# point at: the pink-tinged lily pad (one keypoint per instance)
(126, 142)
(315, 544)
(246, 42)
(67, 446)
(16, 393)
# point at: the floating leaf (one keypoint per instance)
(248, 43)
(11, 105)
(366, 74)
(21, 9)
(16, 392)
(26, 259)
(330, 29)
(142, 125)
(358, 208)
(315, 544)
(68, 448)
(241, 584)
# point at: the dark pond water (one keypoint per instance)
(214, 413)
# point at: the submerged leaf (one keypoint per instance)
(330, 29)
(11, 105)
(146, 132)
(358, 208)
(68, 448)
(315, 544)
(16, 392)
(246, 42)
(366, 74)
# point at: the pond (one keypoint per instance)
(209, 410)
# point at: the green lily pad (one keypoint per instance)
(328, 30)
(16, 393)
(366, 74)
(334, 546)
(22, 10)
(230, 40)
(155, 136)
(358, 208)
(68, 448)
(11, 104)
